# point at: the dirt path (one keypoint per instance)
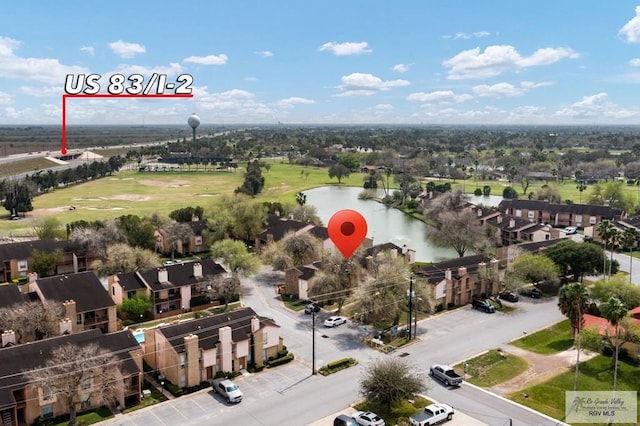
(541, 367)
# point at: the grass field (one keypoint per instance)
(142, 194)
(492, 368)
(25, 166)
(595, 375)
(549, 341)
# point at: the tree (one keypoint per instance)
(628, 294)
(96, 236)
(336, 279)
(32, 320)
(388, 381)
(45, 264)
(338, 171)
(76, 374)
(187, 214)
(573, 301)
(607, 232)
(138, 232)
(579, 259)
(236, 257)
(253, 180)
(135, 307)
(533, 268)
(629, 239)
(47, 227)
(224, 288)
(460, 230)
(176, 234)
(237, 217)
(121, 257)
(301, 198)
(18, 195)
(306, 213)
(614, 310)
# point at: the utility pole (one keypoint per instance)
(313, 341)
(410, 294)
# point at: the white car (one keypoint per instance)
(334, 321)
(570, 230)
(367, 418)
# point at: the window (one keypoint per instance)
(530, 214)
(592, 220)
(113, 290)
(22, 265)
(265, 337)
(198, 240)
(79, 319)
(47, 411)
(578, 218)
(183, 359)
(183, 380)
(518, 213)
(86, 384)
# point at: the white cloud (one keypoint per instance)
(89, 49)
(348, 48)
(383, 107)
(220, 59)
(5, 98)
(359, 84)
(596, 106)
(126, 50)
(631, 30)
(48, 71)
(401, 68)
(40, 92)
(497, 90)
(467, 36)
(228, 106)
(265, 53)
(440, 96)
(501, 58)
(480, 34)
(635, 62)
(532, 85)
(171, 70)
(294, 100)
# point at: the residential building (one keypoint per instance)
(369, 254)
(513, 230)
(191, 352)
(507, 254)
(173, 289)
(23, 403)
(84, 298)
(580, 215)
(296, 279)
(192, 243)
(458, 281)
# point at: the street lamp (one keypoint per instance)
(410, 294)
(313, 341)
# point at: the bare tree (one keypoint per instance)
(78, 374)
(32, 320)
(459, 230)
(123, 258)
(176, 233)
(223, 287)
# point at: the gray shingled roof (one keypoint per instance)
(84, 288)
(24, 249)
(19, 358)
(434, 273)
(181, 274)
(207, 329)
(10, 295)
(586, 209)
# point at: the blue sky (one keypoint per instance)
(329, 62)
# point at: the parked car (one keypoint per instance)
(509, 296)
(367, 418)
(227, 389)
(344, 420)
(312, 307)
(334, 321)
(432, 414)
(445, 374)
(569, 230)
(532, 292)
(483, 305)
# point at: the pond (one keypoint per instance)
(385, 224)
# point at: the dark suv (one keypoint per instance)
(311, 308)
(508, 296)
(483, 305)
(532, 292)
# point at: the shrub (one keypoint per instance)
(174, 389)
(477, 191)
(337, 365)
(509, 193)
(439, 307)
(279, 361)
(127, 323)
(255, 368)
(451, 305)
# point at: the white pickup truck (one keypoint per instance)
(432, 414)
(227, 389)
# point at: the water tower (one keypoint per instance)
(194, 122)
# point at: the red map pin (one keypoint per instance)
(347, 229)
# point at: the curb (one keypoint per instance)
(531, 410)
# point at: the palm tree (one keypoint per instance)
(630, 237)
(573, 300)
(614, 310)
(605, 230)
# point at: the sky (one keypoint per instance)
(418, 62)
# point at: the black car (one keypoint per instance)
(508, 296)
(311, 308)
(532, 292)
(483, 305)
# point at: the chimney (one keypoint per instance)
(404, 249)
(8, 338)
(255, 324)
(393, 253)
(462, 271)
(512, 223)
(65, 326)
(163, 275)
(197, 270)
(32, 277)
(494, 263)
(479, 212)
(69, 309)
(499, 219)
(447, 274)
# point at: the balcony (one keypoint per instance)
(93, 320)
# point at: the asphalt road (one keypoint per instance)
(291, 395)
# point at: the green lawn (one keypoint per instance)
(492, 368)
(554, 339)
(25, 166)
(142, 194)
(595, 375)
(90, 417)
(155, 398)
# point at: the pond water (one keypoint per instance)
(384, 224)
